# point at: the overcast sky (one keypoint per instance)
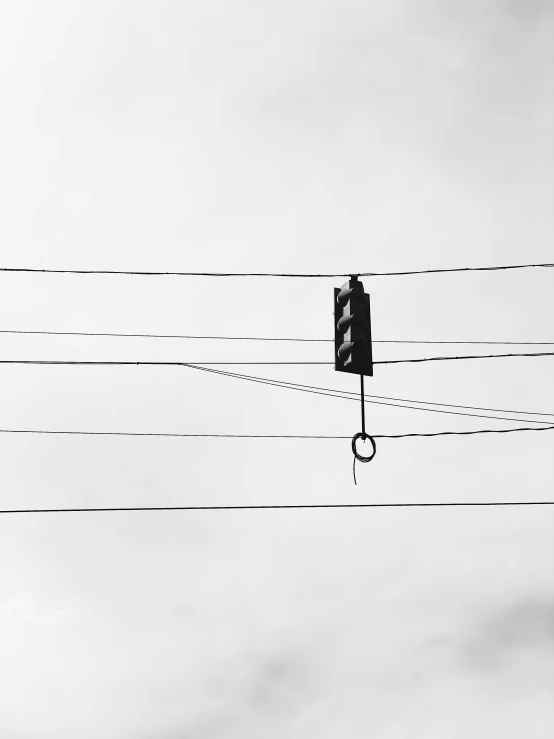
(274, 135)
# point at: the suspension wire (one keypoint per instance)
(269, 274)
(114, 363)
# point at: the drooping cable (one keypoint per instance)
(337, 394)
(207, 367)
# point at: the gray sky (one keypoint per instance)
(274, 136)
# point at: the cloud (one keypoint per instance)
(524, 626)
(26, 607)
(15, 617)
(261, 694)
(279, 683)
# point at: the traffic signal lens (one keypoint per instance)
(344, 296)
(344, 323)
(345, 350)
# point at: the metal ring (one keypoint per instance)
(358, 456)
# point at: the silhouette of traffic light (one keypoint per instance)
(353, 329)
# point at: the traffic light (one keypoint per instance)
(353, 329)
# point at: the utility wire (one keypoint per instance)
(263, 338)
(499, 343)
(266, 436)
(431, 402)
(451, 504)
(267, 274)
(269, 362)
(462, 433)
(276, 383)
(473, 356)
(108, 363)
(168, 336)
(178, 436)
(337, 394)
(386, 397)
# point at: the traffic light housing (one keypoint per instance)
(353, 329)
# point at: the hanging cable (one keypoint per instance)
(362, 435)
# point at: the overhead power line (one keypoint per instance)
(432, 402)
(472, 356)
(267, 436)
(267, 362)
(166, 336)
(328, 392)
(450, 504)
(463, 433)
(268, 274)
(263, 338)
(489, 343)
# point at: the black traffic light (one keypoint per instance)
(353, 329)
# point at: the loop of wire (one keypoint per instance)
(357, 455)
